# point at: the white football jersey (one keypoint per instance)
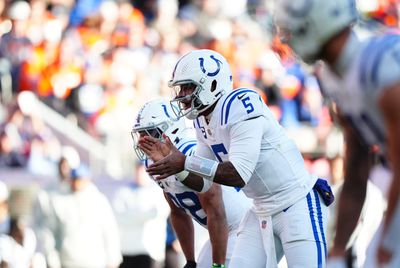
(366, 68)
(274, 170)
(235, 202)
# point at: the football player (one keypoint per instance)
(219, 209)
(363, 79)
(241, 144)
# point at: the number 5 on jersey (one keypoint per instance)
(219, 148)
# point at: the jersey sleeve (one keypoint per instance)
(245, 146)
(242, 104)
(204, 151)
(389, 69)
(380, 63)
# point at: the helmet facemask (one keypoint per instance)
(154, 119)
(196, 105)
(155, 131)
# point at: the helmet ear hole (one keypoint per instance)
(213, 85)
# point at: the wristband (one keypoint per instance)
(181, 176)
(217, 265)
(201, 166)
(206, 185)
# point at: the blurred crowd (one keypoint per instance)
(95, 62)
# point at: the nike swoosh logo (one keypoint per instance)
(241, 96)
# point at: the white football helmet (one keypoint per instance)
(306, 25)
(208, 72)
(153, 119)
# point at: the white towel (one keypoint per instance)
(267, 233)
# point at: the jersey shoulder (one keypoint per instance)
(240, 105)
(379, 64)
(187, 145)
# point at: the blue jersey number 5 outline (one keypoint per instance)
(248, 105)
(217, 149)
(220, 148)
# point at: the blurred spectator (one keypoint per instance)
(270, 72)
(15, 139)
(85, 230)
(15, 44)
(141, 215)
(25, 141)
(42, 208)
(384, 11)
(96, 62)
(82, 10)
(4, 216)
(173, 251)
(17, 241)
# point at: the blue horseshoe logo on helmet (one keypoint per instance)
(217, 61)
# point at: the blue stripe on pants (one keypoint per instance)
(310, 208)
(320, 221)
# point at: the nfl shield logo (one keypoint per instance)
(264, 224)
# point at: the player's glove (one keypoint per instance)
(190, 264)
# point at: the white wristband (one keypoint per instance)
(181, 176)
(206, 185)
(200, 166)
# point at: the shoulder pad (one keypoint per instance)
(380, 63)
(187, 147)
(240, 105)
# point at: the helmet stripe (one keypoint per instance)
(165, 110)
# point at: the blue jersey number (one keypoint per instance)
(248, 105)
(217, 149)
(220, 148)
(190, 201)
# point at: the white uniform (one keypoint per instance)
(276, 179)
(366, 69)
(235, 202)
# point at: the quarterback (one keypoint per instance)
(217, 208)
(241, 144)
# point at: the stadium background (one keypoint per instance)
(74, 73)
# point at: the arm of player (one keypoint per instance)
(243, 156)
(389, 104)
(183, 226)
(212, 203)
(357, 166)
(172, 163)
